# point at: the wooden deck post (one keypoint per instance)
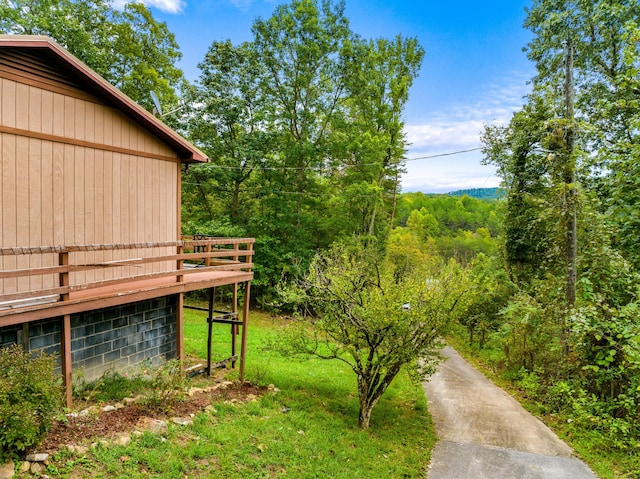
(212, 293)
(63, 260)
(65, 356)
(234, 327)
(245, 322)
(180, 327)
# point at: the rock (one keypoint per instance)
(181, 421)
(193, 391)
(153, 425)
(37, 457)
(133, 400)
(211, 409)
(7, 470)
(36, 468)
(122, 440)
(118, 405)
(108, 408)
(81, 450)
(24, 467)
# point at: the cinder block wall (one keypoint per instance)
(118, 338)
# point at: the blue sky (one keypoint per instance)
(474, 71)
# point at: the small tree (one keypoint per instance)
(374, 320)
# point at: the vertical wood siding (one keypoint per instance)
(55, 193)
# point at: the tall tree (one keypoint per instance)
(129, 48)
(603, 34)
(226, 120)
(303, 86)
(380, 74)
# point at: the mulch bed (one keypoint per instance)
(83, 429)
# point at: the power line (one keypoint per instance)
(320, 168)
(440, 155)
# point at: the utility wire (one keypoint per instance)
(320, 168)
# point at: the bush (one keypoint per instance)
(30, 396)
(167, 386)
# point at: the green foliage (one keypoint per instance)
(530, 334)
(128, 47)
(607, 341)
(304, 127)
(111, 386)
(373, 319)
(220, 227)
(480, 193)
(489, 292)
(30, 397)
(167, 385)
(453, 227)
(452, 213)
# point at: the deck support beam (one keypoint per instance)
(180, 327)
(65, 356)
(245, 322)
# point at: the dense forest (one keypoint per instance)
(303, 124)
(481, 193)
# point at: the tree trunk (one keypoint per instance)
(569, 180)
(366, 406)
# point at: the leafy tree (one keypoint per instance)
(379, 75)
(142, 57)
(374, 320)
(604, 36)
(518, 152)
(128, 48)
(489, 293)
(225, 118)
(304, 125)
(299, 46)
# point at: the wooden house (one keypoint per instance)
(92, 263)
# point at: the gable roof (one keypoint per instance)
(98, 86)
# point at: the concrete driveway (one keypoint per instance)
(485, 434)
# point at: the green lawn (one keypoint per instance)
(307, 429)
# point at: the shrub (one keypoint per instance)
(167, 386)
(30, 396)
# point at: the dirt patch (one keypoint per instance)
(85, 429)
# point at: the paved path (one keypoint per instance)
(485, 433)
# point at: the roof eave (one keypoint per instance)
(187, 153)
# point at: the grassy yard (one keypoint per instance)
(307, 429)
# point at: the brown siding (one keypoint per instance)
(70, 175)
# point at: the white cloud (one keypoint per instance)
(168, 6)
(456, 129)
(243, 5)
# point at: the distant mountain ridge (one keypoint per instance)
(480, 193)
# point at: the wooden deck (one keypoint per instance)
(197, 264)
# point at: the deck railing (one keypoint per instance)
(61, 271)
